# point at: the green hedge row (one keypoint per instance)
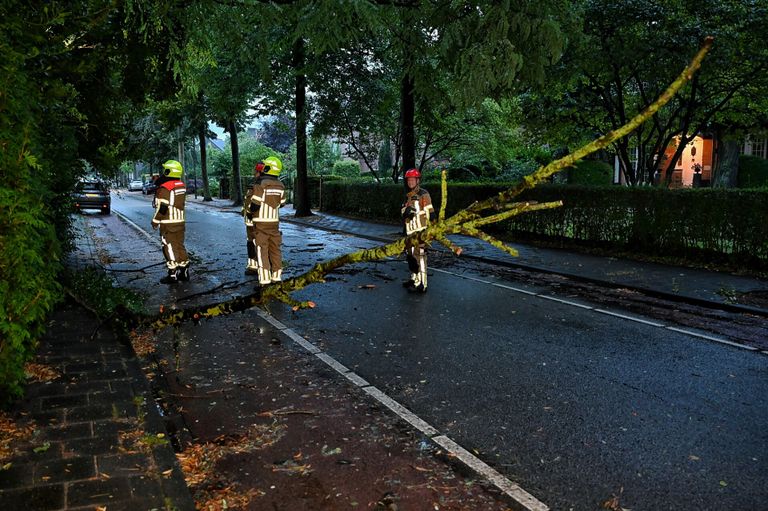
(753, 172)
(703, 224)
(29, 248)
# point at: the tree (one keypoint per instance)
(72, 76)
(482, 49)
(278, 132)
(358, 101)
(629, 50)
(223, 59)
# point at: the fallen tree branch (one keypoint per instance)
(465, 222)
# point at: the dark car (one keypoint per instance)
(92, 195)
(194, 185)
(149, 187)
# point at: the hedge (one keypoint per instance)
(703, 224)
(753, 172)
(590, 172)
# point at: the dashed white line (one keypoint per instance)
(566, 302)
(356, 379)
(630, 318)
(407, 415)
(525, 499)
(712, 338)
(606, 312)
(335, 364)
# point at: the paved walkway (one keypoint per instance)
(99, 441)
(710, 288)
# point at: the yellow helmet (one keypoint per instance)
(173, 169)
(272, 166)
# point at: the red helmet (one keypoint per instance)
(413, 173)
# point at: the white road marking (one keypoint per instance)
(603, 311)
(711, 338)
(630, 318)
(522, 497)
(404, 413)
(525, 500)
(138, 228)
(567, 302)
(335, 364)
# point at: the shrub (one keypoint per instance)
(346, 168)
(753, 172)
(590, 173)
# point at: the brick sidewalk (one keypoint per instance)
(96, 440)
(95, 443)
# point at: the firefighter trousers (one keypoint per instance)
(172, 238)
(416, 255)
(266, 251)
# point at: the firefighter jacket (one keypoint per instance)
(267, 195)
(417, 210)
(169, 202)
(247, 213)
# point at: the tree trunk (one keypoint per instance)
(204, 165)
(727, 169)
(301, 202)
(237, 189)
(407, 120)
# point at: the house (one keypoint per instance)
(696, 163)
(694, 167)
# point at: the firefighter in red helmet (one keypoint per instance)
(417, 212)
(262, 204)
(252, 266)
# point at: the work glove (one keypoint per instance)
(409, 213)
(253, 208)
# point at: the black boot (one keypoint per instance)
(183, 272)
(171, 278)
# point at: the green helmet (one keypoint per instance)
(272, 166)
(173, 169)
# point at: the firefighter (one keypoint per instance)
(263, 203)
(169, 216)
(417, 212)
(252, 267)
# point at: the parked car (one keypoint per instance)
(135, 186)
(149, 187)
(92, 195)
(194, 185)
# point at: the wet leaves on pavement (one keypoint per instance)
(40, 372)
(12, 435)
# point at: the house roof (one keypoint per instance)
(216, 143)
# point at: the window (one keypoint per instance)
(755, 147)
(758, 147)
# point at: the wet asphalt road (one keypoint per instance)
(573, 405)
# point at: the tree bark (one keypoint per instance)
(204, 164)
(301, 201)
(727, 168)
(236, 188)
(407, 121)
